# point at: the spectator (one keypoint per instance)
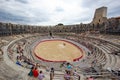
(91, 78)
(69, 67)
(41, 76)
(118, 72)
(30, 74)
(18, 63)
(37, 65)
(35, 72)
(67, 75)
(62, 65)
(1, 51)
(76, 75)
(52, 73)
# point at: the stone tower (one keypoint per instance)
(100, 15)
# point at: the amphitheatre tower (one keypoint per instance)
(100, 15)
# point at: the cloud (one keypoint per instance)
(8, 17)
(52, 12)
(59, 9)
(22, 1)
(115, 12)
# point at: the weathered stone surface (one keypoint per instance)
(7, 73)
(100, 15)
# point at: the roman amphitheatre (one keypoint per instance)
(91, 49)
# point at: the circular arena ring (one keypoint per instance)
(57, 50)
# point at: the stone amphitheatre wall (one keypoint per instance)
(100, 24)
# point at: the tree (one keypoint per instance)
(60, 24)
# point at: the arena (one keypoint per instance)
(85, 50)
(58, 51)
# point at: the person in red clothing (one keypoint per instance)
(35, 72)
(91, 78)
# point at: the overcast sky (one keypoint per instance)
(52, 12)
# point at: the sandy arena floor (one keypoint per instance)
(57, 51)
